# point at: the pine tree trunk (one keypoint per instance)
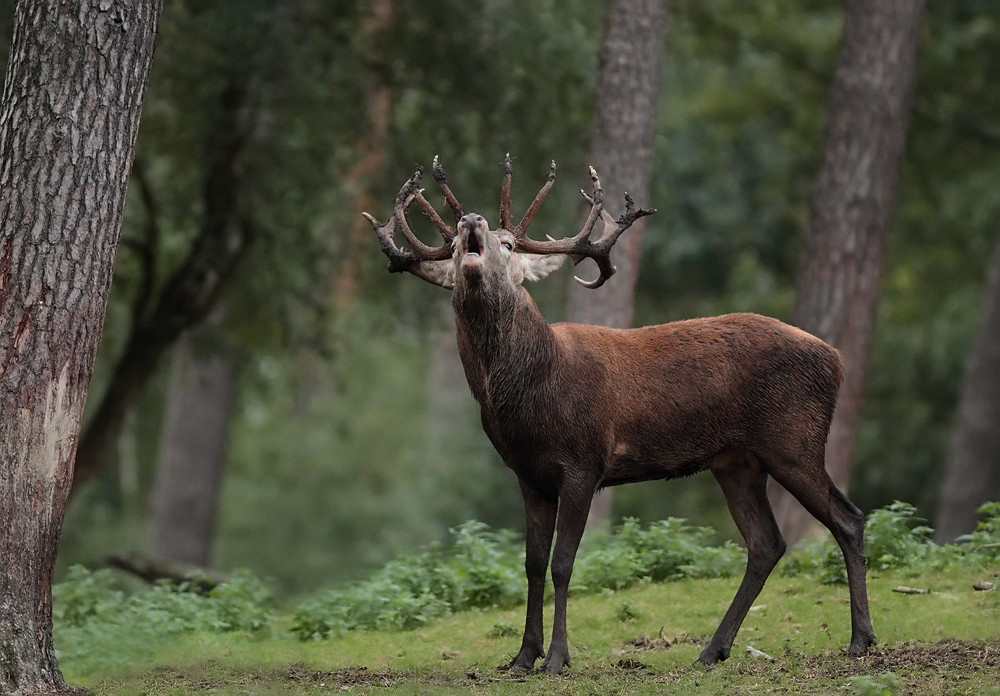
(621, 150)
(972, 474)
(842, 262)
(68, 122)
(185, 494)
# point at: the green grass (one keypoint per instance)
(947, 641)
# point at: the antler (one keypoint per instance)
(400, 259)
(580, 246)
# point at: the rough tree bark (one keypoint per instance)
(842, 261)
(192, 455)
(621, 150)
(972, 474)
(68, 122)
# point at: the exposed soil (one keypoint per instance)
(919, 667)
(950, 654)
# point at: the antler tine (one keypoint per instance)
(522, 227)
(422, 252)
(581, 246)
(439, 176)
(400, 260)
(441, 225)
(505, 194)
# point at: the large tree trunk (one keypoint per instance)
(842, 261)
(621, 150)
(972, 476)
(68, 121)
(192, 457)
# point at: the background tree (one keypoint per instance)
(972, 472)
(842, 261)
(66, 141)
(188, 478)
(627, 100)
(161, 313)
(735, 152)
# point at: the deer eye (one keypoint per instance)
(508, 245)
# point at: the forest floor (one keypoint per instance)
(637, 641)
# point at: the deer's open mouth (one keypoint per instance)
(472, 245)
(472, 259)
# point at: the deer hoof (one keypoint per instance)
(524, 662)
(860, 644)
(712, 655)
(554, 663)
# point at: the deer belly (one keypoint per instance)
(630, 464)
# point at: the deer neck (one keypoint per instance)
(506, 346)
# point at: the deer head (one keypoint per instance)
(474, 258)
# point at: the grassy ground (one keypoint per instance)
(638, 641)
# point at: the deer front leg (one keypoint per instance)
(540, 516)
(571, 521)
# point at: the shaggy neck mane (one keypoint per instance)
(506, 346)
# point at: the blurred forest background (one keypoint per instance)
(252, 322)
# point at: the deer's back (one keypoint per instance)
(661, 401)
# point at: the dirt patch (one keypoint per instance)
(947, 654)
(629, 663)
(660, 642)
(949, 666)
(347, 676)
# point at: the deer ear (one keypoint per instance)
(537, 266)
(438, 272)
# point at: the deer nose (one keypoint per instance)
(472, 221)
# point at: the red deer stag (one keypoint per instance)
(574, 408)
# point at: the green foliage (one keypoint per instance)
(985, 540)
(99, 625)
(626, 611)
(483, 568)
(242, 603)
(503, 629)
(480, 569)
(884, 684)
(92, 616)
(895, 537)
(666, 550)
(935, 643)
(84, 595)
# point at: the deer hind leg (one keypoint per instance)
(744, 483)
(812, 487)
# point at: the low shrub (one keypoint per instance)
(483, 568)
(90, 611)
(897, 538)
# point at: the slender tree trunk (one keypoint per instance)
(192, 457)
(621, 150)
(842, 262)
(972, 473)
(371, 151)
(68, 121)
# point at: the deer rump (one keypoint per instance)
(573, 408)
